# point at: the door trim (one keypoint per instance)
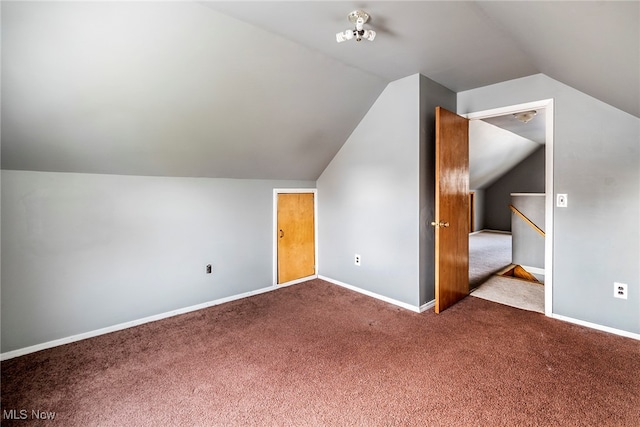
(277, 191)
(472, 211)
(547, 104)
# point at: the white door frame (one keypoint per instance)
(277, 191)
(546, 104)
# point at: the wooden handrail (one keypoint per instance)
(527, 220)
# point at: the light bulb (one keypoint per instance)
(369, 35)
(347, 35)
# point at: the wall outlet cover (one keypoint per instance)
(357, 260)
(620, 290)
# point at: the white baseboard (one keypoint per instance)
(486, 230)
(377, 296)
(427, 306)
(596, 326)
(295, 282)
(125, 325)
(534, 270)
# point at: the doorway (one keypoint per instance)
(295, 230)
(545, 106)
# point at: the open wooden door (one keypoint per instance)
(296, 236)
(452, 209)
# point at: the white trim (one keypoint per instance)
(132, 323)
(427, 306)
(377, 296)
(547, 104)
(596, 326)
(549, 206)
(511, 109)
(486, 230)
(534, 270)
(277, 191)
(295, 282)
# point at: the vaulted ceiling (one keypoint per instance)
(261, 89)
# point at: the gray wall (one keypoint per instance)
(526, 177)
(431, 95)
(479, 222)
(81, 252)
(376, 196)
(596, 162)
(527, 245)
(368, 199)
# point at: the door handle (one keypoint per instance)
(441, 224)
(281, 234)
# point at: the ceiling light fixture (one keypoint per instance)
(525, 116)
(359, 18)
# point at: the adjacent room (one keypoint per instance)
(320, 213)
(507, 175)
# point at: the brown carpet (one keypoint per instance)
(318, 354)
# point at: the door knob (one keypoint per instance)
(441, 224)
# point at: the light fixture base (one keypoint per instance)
(353, 16)
(525, 116)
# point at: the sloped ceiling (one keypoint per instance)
(171, 89)
(593, 46)
(494, 151)
(534, 130)
(261, 89)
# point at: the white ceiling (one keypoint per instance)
(261, 89)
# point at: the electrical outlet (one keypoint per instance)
(561, 200)
(357, 260)
(209, 268)
(620, 290)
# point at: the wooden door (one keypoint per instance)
(296, 236)
(452, 209)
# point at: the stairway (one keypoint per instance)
(517, 272)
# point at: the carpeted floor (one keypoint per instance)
(318, 354)
(489, 252)
(512, 292)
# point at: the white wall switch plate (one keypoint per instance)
(357, 260)
(561, 200)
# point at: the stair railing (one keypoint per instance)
(527, 220)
